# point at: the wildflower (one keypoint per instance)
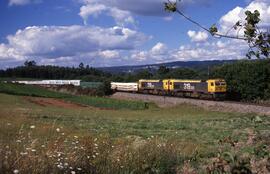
(66, 164)
(33, 127)
(23, 153)
(18, 141)
(60, 166)
(15, 171)
(43, 145)
(94, 156)
(9, 124)
(75, 136)
(33, 150)
(63, 133)
(79, 168)
(57, 130)
(95, 139)
(73, 172)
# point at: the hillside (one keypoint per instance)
(199, 65)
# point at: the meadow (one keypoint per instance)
(29, 90)
(184, 139)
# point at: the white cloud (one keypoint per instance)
(52, 42)
(199, 36)
(121, 17)
(93, 9)
(159, 48)
(128, 8)
(22, 2)
(238, 13)
(109, 54)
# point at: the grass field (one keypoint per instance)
(28, 90)
(183, 139)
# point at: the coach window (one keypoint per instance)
(170, 83)
(212, 84)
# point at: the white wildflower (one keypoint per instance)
(73, 172)
(33, 127)
(57, 130)
(23, 153)
(15, 171)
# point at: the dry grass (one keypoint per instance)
(188, 140)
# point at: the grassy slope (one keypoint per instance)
(192, 133)
(28, 90)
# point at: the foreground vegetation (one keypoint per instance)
(29, 90)
(184, 139)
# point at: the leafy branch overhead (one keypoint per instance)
(258, 39)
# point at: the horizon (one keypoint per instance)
(119, 33)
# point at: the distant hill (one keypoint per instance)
(199, 65)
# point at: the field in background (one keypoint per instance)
(29, 90)
(47, 138)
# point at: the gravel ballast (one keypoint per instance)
(223, 106)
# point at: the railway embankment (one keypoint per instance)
(222, 106)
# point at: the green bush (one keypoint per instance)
(246, 80)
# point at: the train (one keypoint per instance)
(202, 89)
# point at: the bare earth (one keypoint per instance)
(52, 102)
(164, 101)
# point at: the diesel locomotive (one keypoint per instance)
(208, 89)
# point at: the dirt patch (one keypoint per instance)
(53, 102)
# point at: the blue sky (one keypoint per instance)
(118, 32)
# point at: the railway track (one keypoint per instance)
(223, 106)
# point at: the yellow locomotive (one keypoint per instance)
(208, 89)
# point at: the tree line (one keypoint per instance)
(246, 79)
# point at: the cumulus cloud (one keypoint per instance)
(22, 2)
(109, 54)
(94, 9)
(238, 13)
(54, 42)
(159, 48)
(199, 36)
(123, 11)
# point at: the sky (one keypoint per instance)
(119, 32)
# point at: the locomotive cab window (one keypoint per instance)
(170, 83)
(212, 84)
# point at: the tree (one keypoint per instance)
(30, 63)
(81, 65)
(258, 40)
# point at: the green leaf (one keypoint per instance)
(213, 29)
